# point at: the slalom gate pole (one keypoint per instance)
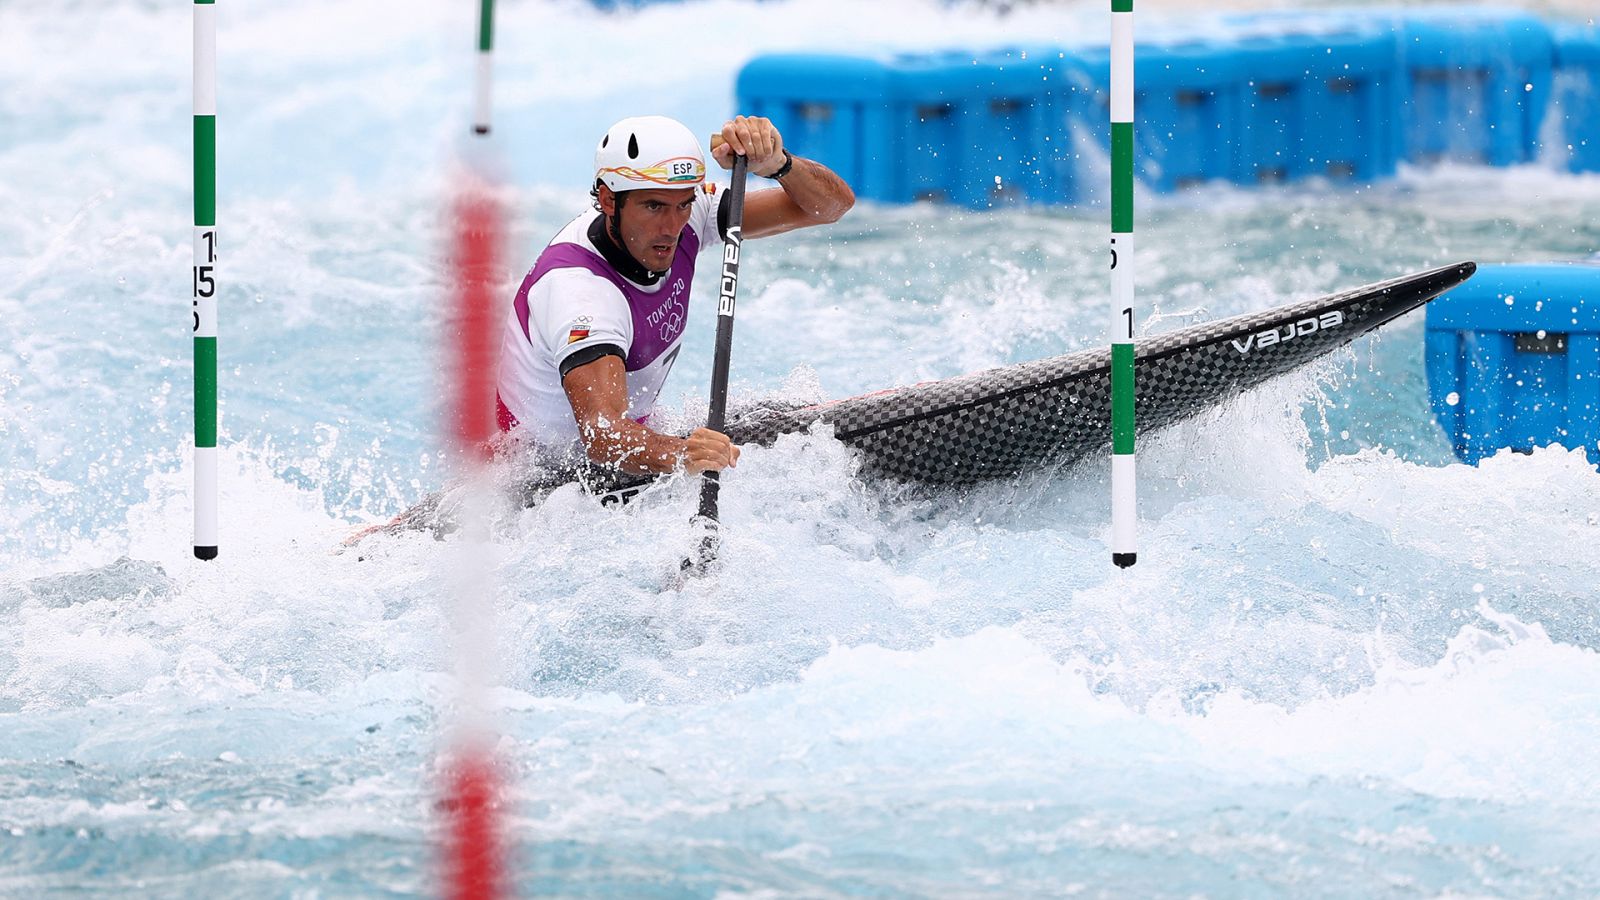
(481, 111)
(1123, 492)
(204, 305)
(716, 417)
(474, 855)
(473, 849)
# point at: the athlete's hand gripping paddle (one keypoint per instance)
(716, 418)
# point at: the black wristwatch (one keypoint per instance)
(788, 163)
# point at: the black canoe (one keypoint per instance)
(1005, 421)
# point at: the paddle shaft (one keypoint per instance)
(716, 418)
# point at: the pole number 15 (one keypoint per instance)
(205, 285)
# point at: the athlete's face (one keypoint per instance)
(651, 222)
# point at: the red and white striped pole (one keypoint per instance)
(473, 837)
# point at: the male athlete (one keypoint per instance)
(598, 322)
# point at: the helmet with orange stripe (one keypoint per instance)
(646, 152)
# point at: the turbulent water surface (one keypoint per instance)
(1345, 664)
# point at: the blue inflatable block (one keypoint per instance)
(1513, 359)
(979, 129)
(1259, 109)
(826, 107)
(1318, 105)
(1576, 97)
(1187, 106)
(982, 129)
(1474, 82)
(1276, 96)
(1478, 81)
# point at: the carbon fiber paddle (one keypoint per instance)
(716, 417)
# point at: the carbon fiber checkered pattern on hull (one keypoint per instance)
(1004, 421)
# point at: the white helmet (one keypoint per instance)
(649, 152)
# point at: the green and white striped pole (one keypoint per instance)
(1123, 492)
(480, 113)
(205, 284)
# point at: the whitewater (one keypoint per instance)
(1345, 665)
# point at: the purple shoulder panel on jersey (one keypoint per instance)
(658, 318)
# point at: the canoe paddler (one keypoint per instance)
(598, 322)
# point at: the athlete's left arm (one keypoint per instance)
(811, 194)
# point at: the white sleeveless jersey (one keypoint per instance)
(573, 300)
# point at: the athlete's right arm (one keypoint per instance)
(598, 392)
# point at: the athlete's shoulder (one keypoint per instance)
(571, 250)
(574, 269)
(576, 231)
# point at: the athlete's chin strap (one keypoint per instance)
(606, 234)
(614, 221)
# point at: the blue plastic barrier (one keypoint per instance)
(1513, 359)
(1319, 105)
(1337, 94)
(828, 108)
(1186, 102)
(974, 129)
(1474, 82)
(1477, 83)
(1260, 109)
(1576, 97)
(980, 130)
